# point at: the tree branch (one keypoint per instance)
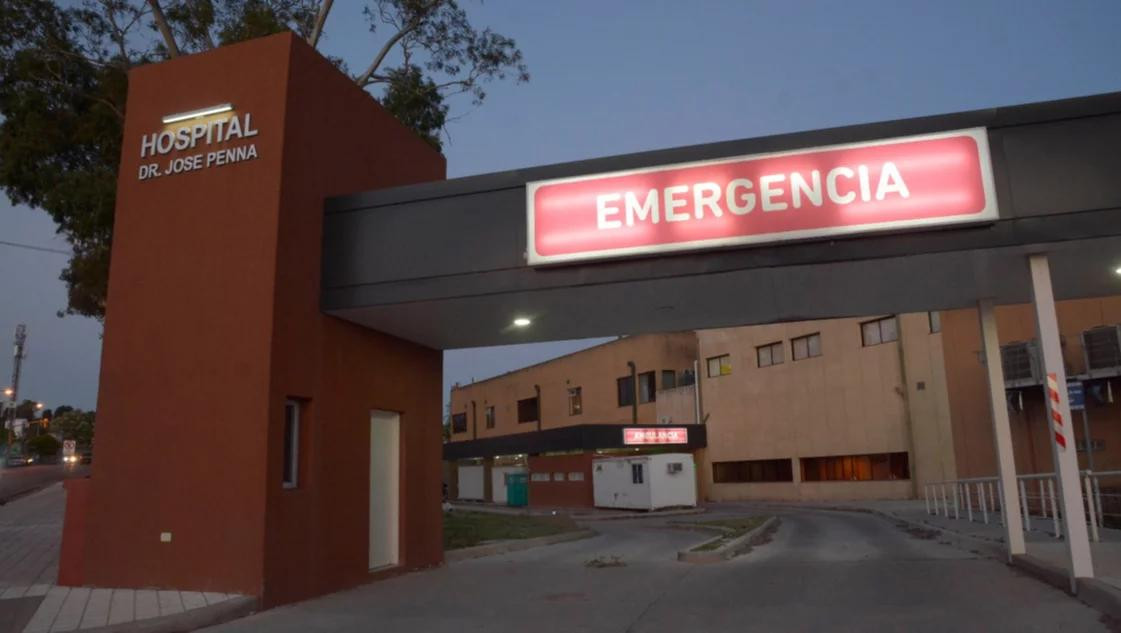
(317, 30)
(165, 30)
(409, 27)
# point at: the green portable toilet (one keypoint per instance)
(517, 489)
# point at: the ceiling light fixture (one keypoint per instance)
(522, 322)
(194, 114)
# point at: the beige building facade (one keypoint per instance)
(613, 383)
(840, 408)
(853, 408)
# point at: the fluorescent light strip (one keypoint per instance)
(194, 114)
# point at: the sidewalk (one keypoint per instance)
(30, 538)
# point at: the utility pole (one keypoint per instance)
(17, 360)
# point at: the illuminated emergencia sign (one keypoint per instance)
(908, 182)
(660, 435)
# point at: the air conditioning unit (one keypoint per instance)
(1021, 364)
(1102, 349)
(674, 467)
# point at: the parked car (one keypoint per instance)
(86, 458)
(19, 460)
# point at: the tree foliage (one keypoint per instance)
(26, 410)
(64, 81)
(74, 425)
(43, 445)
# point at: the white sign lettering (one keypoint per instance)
(198, 134)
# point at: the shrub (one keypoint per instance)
(44, 445)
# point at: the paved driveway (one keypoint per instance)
(823, 571)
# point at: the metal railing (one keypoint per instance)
(981, 499)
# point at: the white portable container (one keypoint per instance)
(645, 482)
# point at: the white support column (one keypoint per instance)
(1002, 433)
(1058, 412)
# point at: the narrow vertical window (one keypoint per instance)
(636, 473)
(575, 401)
(291, 443)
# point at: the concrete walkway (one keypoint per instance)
(30, 534)
(824, 571)
(30, 537)
(1040, 540)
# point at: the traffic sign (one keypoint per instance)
(1076, 395)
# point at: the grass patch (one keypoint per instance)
(466, 529)
(738, 525)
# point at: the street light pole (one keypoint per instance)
(13, 391)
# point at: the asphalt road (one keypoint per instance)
(20, 479)
(822, 571)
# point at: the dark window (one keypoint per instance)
(807, 346)
(770, 354)
(935, 319)
(752, 471)
(291, 443)
(625, 386)
(636, 473)
(459, 423)
(883, 330)
(527, 410)
(575, 401)
(720, 366)
(669, 379)
(877, 467)
(647, 386)
(489, 413)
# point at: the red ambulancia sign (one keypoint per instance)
(665, 435)
(910, 182)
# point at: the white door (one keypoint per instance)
(385, 451)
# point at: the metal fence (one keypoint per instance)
(981, 499)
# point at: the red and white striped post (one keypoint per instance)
(1058, 412)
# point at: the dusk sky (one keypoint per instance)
(618, 77)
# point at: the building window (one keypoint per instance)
(877, 467)
(636, 473)
(752, 471)
(576, 476)
(459, 423)
(558, 476)
(489, 415)
(807, 346)
(647, 387)
(291, 443)
(935, 319)
(575, 401)
(720, 365)
(625, 386)
(527, 410)
(669, 379)
(767, 355)
(883, 330)
(539, 477)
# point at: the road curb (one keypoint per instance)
(618, 516)
(505, 547)
(27, 492)
(730, 549)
